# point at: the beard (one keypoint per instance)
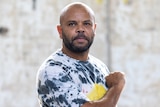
(69, 43)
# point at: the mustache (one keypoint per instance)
(80, 36)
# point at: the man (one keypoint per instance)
(71, 77)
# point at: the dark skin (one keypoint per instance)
(78, 18)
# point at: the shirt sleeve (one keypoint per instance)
(56, 89)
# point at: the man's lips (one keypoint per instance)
(80, 39)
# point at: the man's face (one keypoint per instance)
(77, 30)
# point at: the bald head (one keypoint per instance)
(75, 8)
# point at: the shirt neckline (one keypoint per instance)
(60, 50)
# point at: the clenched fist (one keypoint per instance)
(115, 79)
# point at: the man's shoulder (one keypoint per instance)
(56, 62)
(96, 60)
(55, 58)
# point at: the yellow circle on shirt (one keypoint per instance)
(97, 92)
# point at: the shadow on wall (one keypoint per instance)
(3, 31)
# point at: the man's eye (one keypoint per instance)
(87, 24)
(71, 24)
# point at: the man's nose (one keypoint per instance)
(80, 29)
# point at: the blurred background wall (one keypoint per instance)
(128, 35)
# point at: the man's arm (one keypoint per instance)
(115, 82)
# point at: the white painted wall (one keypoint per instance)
(136, 50)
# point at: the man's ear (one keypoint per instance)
(59, 29)
(95, 25)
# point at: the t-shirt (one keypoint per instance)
(66, 82)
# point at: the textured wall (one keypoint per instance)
(135, 48)
(133, 27)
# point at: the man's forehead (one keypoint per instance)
(77, 9)
(76, 17)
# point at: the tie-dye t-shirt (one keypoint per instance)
(66, 82)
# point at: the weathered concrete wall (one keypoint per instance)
(135, 47)
(133, 28)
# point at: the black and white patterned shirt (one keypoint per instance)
(66, 82)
